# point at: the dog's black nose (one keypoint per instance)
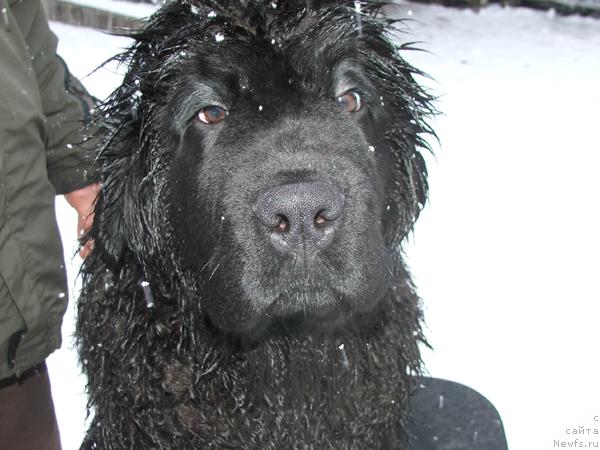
(302, 217)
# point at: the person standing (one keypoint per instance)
(42, 153)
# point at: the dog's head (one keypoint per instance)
(268, 154)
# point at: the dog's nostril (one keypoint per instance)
(283, 225)
(320, 221)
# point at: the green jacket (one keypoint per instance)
(40, 157)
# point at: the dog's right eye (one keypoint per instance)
(350, 101)
(212, 114)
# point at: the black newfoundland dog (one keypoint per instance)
(260, 170)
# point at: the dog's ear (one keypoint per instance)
(124, 225)
(118, 223)
(404, 114)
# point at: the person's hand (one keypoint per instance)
(83, 201)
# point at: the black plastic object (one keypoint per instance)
(451, 416)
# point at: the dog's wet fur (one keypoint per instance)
(202, 326)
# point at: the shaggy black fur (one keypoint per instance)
(193, 330)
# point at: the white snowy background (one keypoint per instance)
(506, 255)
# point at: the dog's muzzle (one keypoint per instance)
(301, 218)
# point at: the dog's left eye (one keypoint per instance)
(350, 101)
(212, 114)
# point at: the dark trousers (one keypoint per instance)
(27, 419)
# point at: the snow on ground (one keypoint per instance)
(506, 254)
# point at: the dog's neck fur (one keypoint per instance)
(338, 390)
(342, 389)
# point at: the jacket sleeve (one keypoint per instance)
(65, 104)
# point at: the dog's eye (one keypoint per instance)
(350, 101)
(212, 114)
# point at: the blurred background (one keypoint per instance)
(506, 254)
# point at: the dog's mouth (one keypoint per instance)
(297, 316)
(317, 304)
(310, 307)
